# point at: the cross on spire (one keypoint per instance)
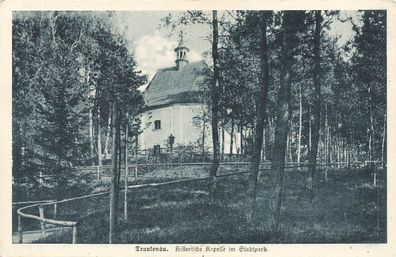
(181, 41)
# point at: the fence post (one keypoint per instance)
(55, 210)
(74, 236)
(136, 170)
(20, 231)
(41, 177)
(326, 174)
(41, 212)
(375, 179)
(98, 172)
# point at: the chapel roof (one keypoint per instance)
(170, 85)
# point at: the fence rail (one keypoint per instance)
(42, 205)
(99, 170)
(31, 202)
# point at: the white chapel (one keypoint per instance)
(175, 109)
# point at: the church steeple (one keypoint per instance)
(181, 53)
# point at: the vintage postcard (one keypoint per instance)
(197, 128)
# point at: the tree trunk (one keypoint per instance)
(264, 150)
(328, 142)
(91, 143)
(136, 145)
(109, 127)
(114, 175)
(317, 98)
(271, 137)
(291, 140)
(241, 139)
(287, 148)
(309, 132)
(119, 161)
(384, 145)
(232, 136)
(203, 140)
(222, 142)
(283, 121)
(126, 171)
(338, 153)
(215, 103)
(279, 151)
(299, 126)
(371, 129)
(261, 115)
(326, 137)
(99, 141)
(331, 146)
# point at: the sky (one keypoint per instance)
(153, 46)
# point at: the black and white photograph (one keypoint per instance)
(199, 128)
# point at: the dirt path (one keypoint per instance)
(31, 236)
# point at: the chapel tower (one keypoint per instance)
(181, 53)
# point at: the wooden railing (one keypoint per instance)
(41, 205)
(52, 221)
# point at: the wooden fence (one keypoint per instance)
(105, 170)
(42, 205)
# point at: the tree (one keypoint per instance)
(369, 77)
(70, 55)
(215, 101)
(239, 58)
(27, 67)
(292, 22)
(261, 110)
(216, 85)
(317, 97)
(118, 84)
(58, 103)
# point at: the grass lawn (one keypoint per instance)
(344, 210)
